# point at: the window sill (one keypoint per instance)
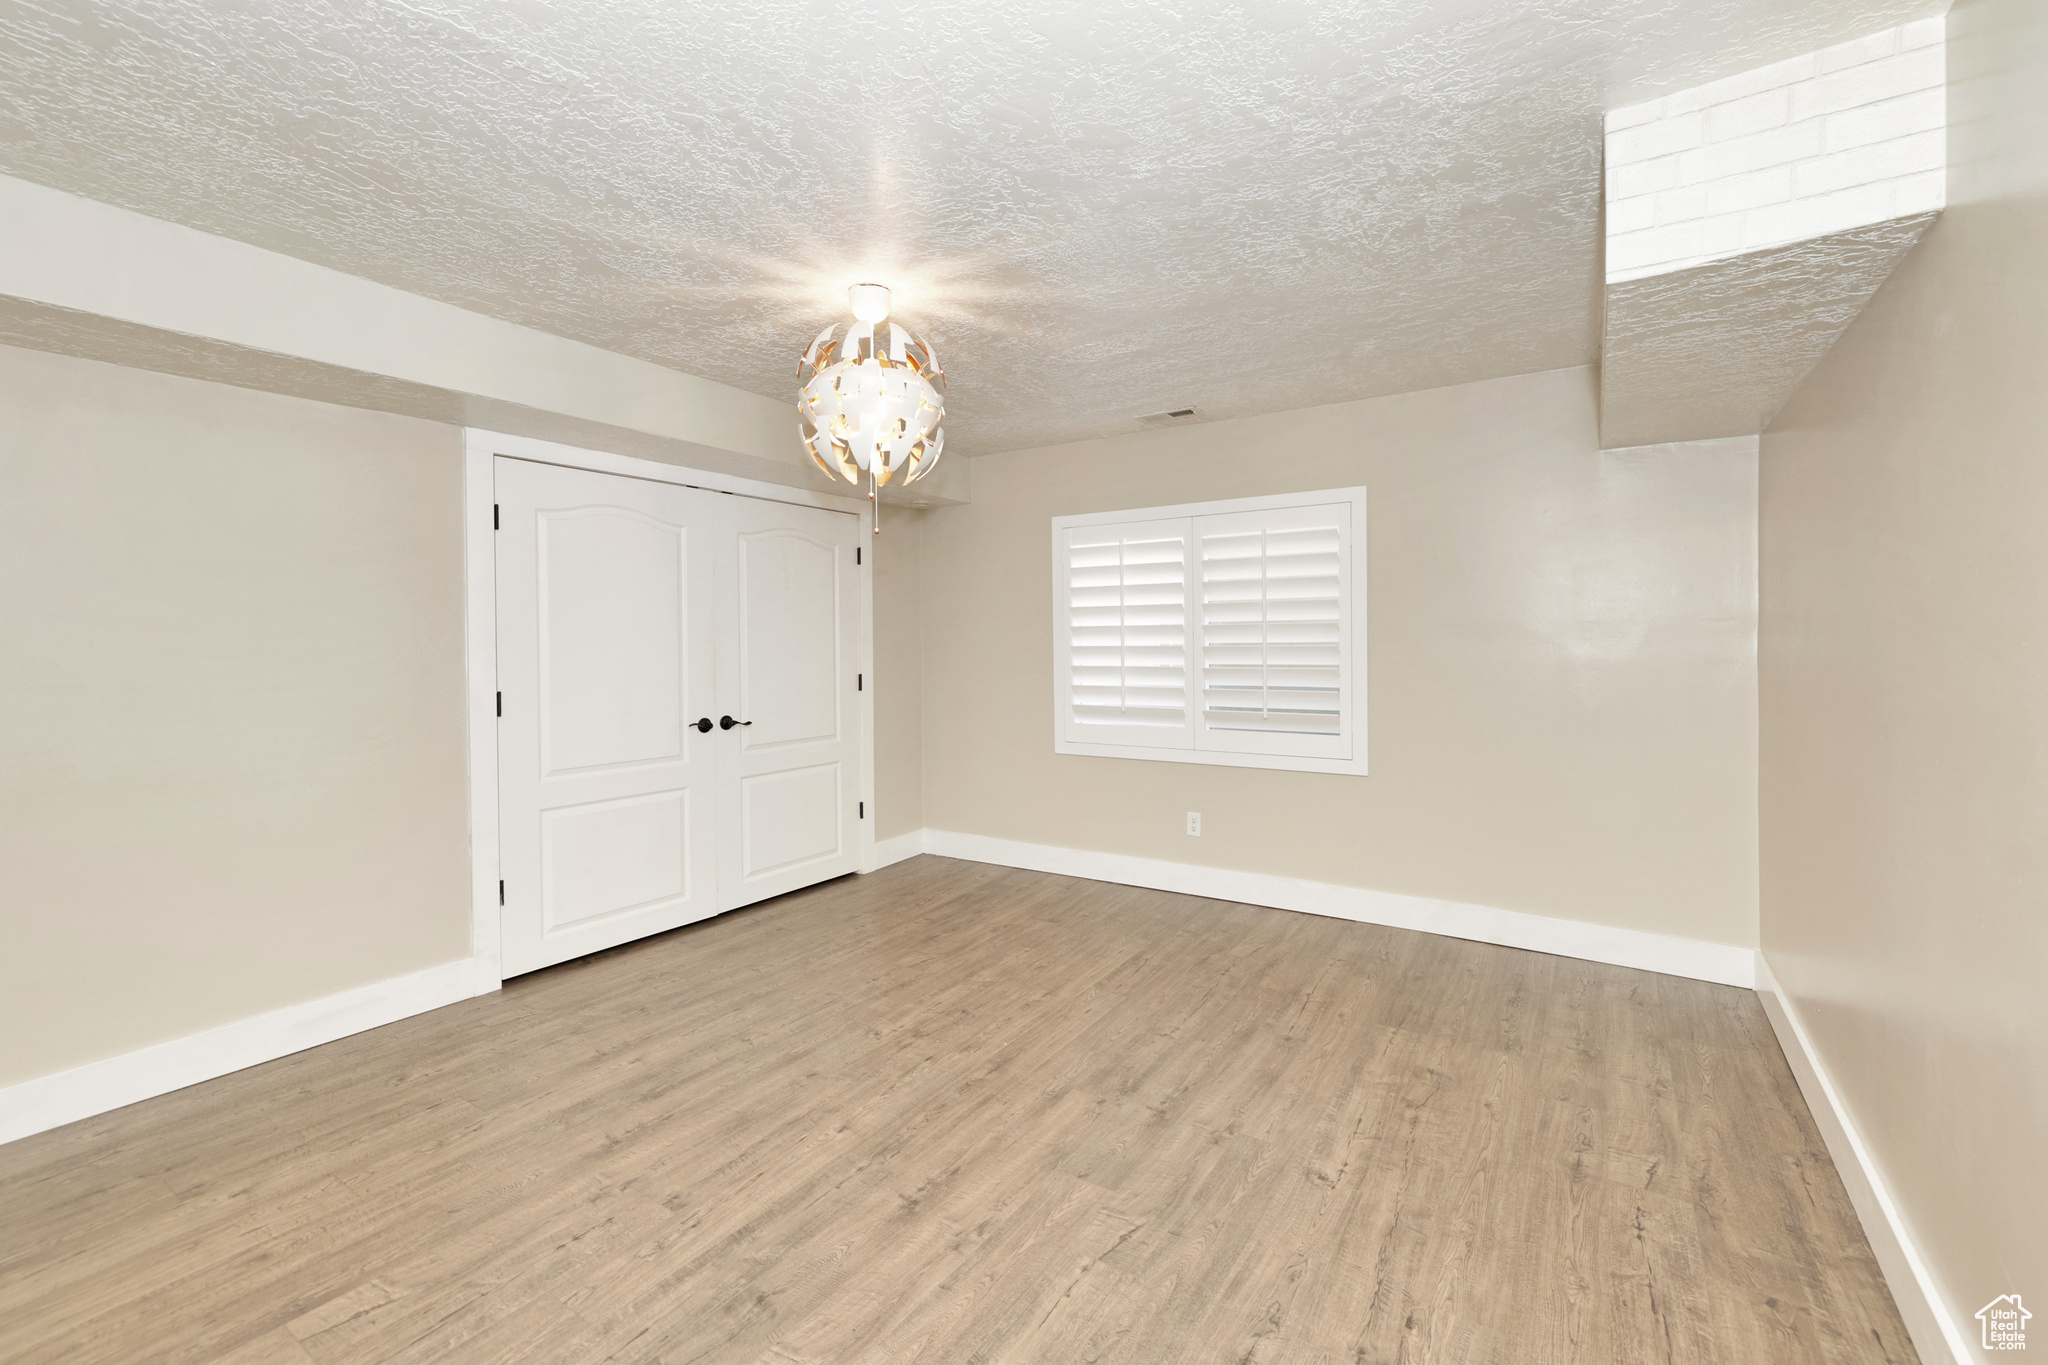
(1348, 767)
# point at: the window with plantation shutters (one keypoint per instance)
(1272, 607)
(1228, 633)
(1126, 632)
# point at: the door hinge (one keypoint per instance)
(501, 703)
(860, 682)
(856, 554)
(501, 890)
(863, 810)
(494, 516)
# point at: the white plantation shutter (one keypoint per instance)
(1227, 633)
(1124, 642)
(1272, 626)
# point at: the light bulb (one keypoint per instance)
(870, 302)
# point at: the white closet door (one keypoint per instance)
(788, 645)
(607, 790)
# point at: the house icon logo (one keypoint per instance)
(2005, 1323)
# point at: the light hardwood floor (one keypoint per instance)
(958, 1113)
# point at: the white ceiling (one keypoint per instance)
(1097, 210)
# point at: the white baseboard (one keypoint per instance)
(895, 850)
(1937, 1335)
(1723, 963)
(67, 1096)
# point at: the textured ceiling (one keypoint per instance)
(1717, 349)
(1098, 210)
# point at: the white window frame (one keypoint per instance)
(1352, 628)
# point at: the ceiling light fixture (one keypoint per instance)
(871, 396)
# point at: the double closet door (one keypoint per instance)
(678, 728)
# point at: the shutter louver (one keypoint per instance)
(1127, 645)
(1272, 629)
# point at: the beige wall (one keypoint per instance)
(232, 671)
(1904, 692)
(1562, 661)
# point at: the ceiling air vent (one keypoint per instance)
(1172, 415)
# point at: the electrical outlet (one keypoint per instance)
(1195, 823)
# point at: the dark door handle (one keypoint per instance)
(702, 723)
(727, 722)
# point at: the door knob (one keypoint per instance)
(727, 722)
(702, 723)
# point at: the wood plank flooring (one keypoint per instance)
(959, 1113)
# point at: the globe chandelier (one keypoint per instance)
(871, 397)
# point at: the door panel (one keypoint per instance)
(611, 857)
(788, 614)
(788, 637)
(612, 612)
(608, 800)
(789, 819)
